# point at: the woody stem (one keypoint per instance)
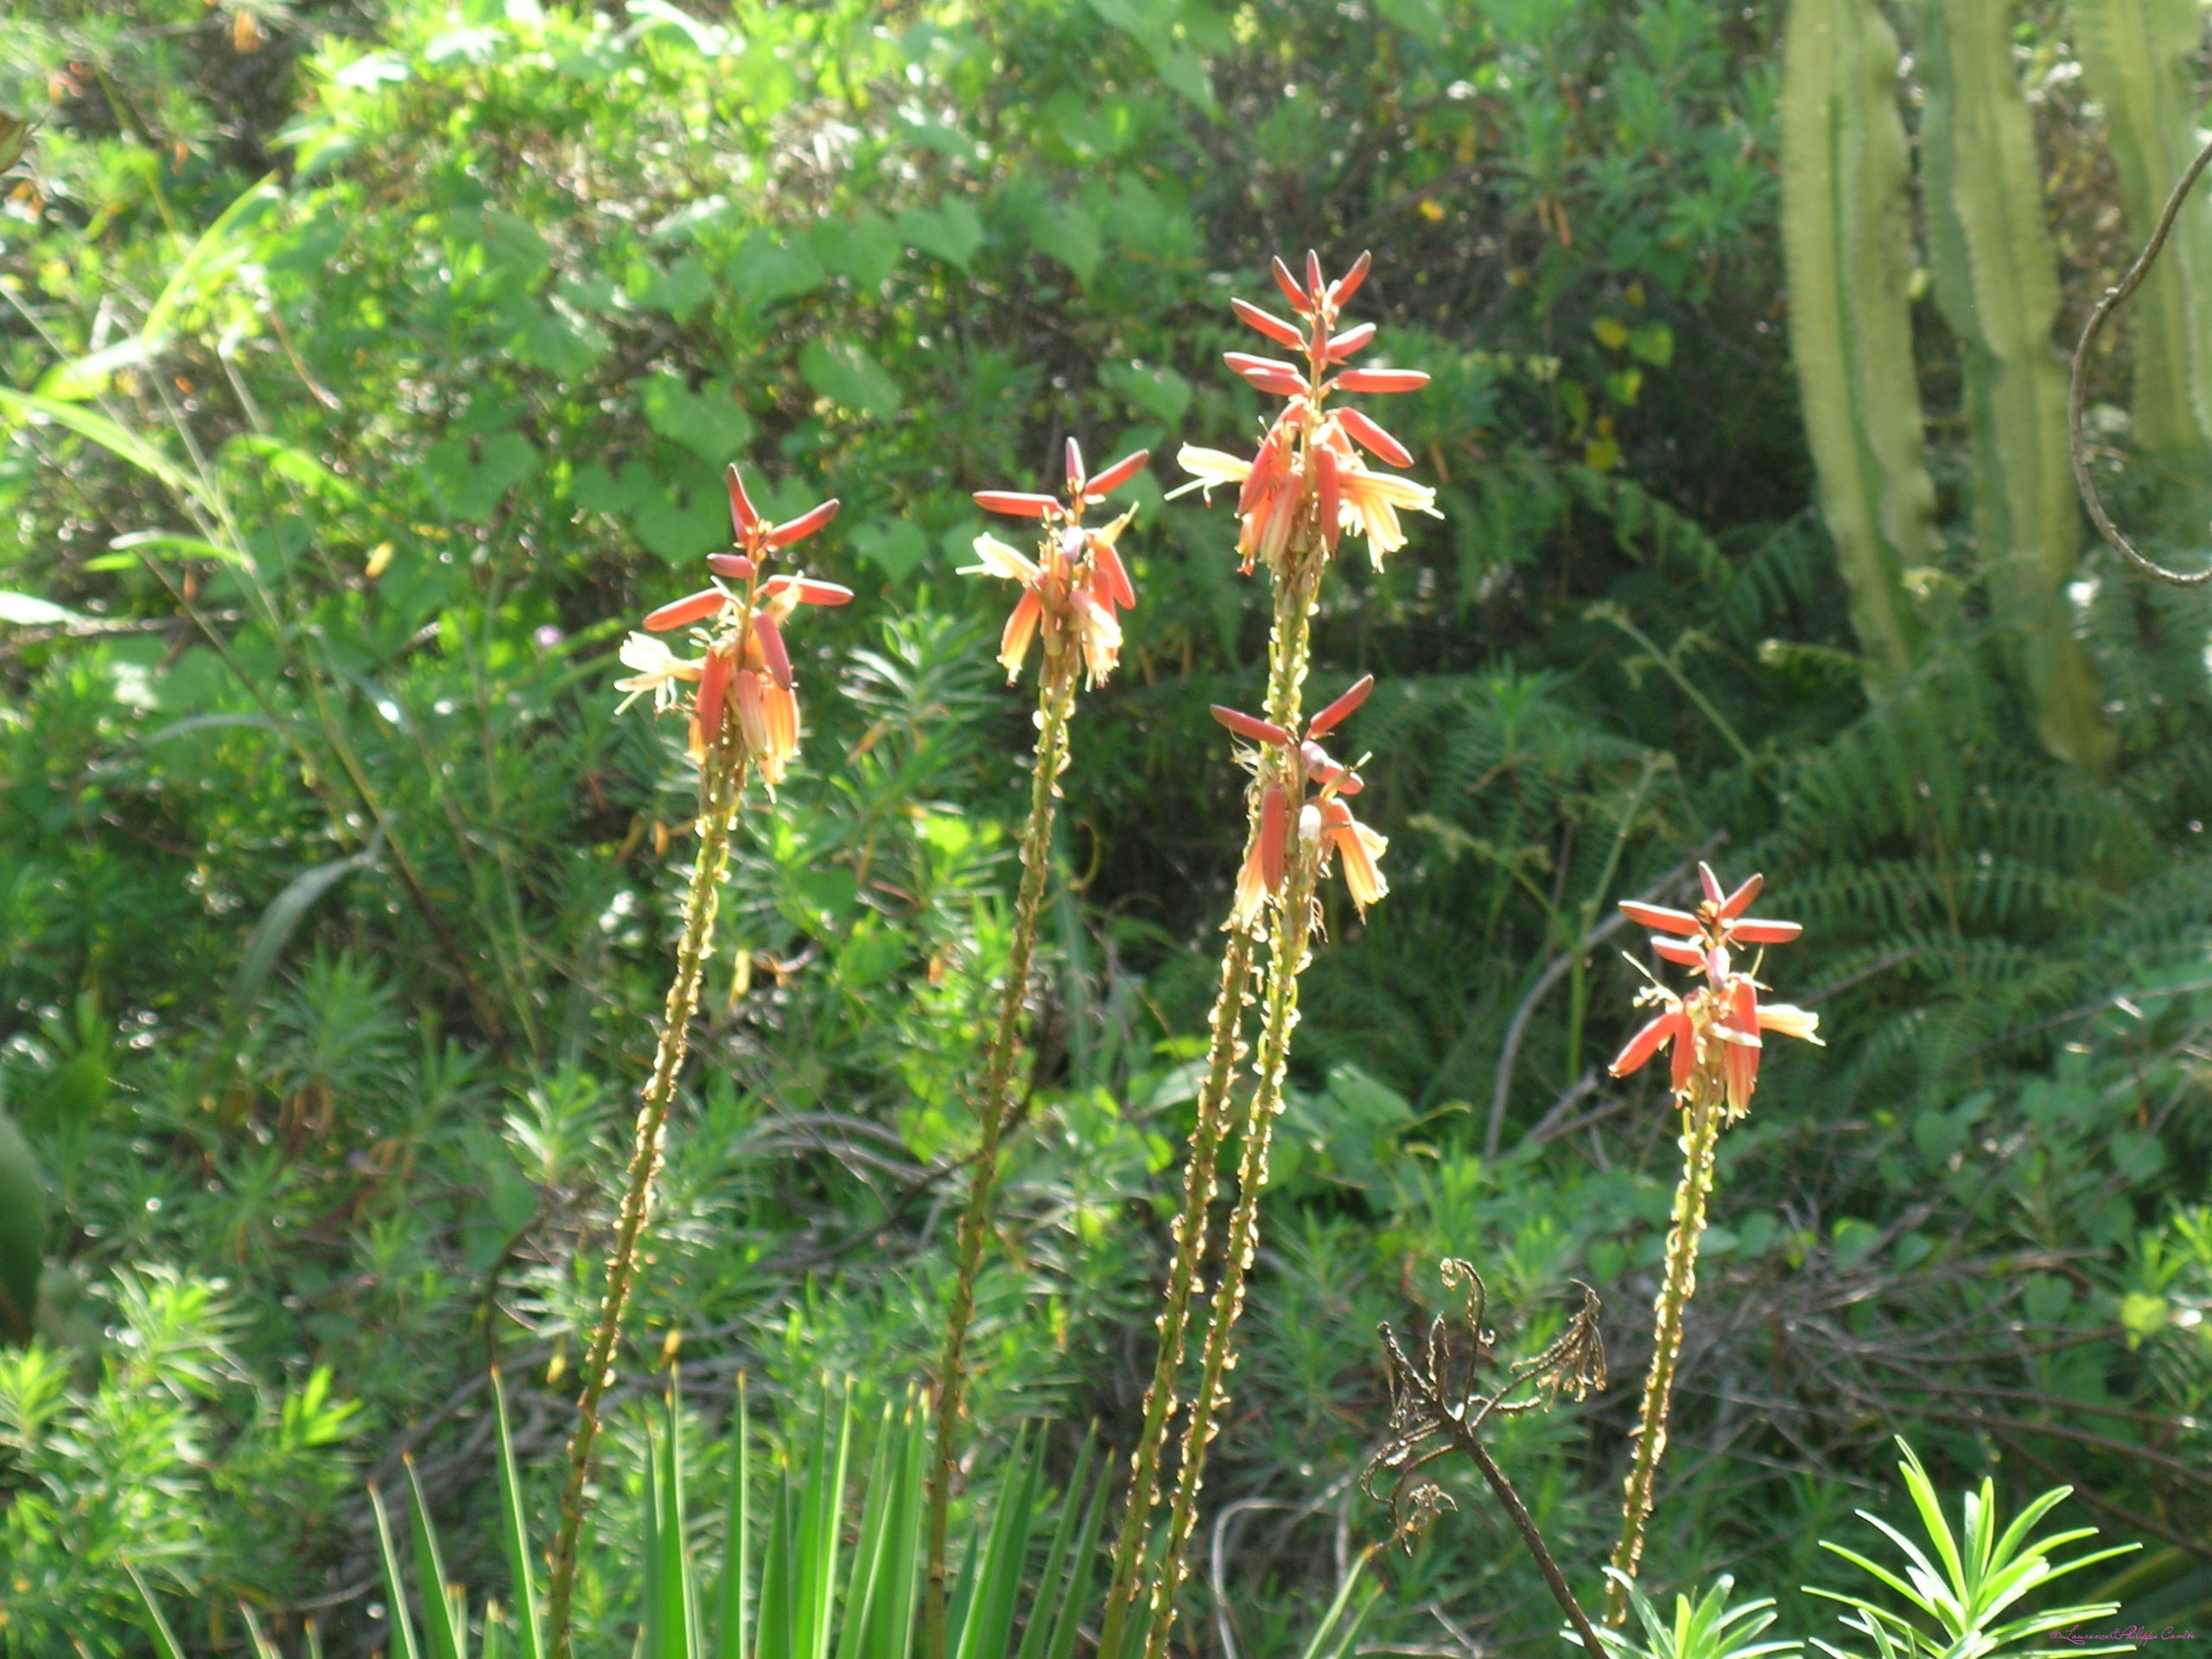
(722, 781)
(1055, 701)
(1288, 656)
(1700, 1108)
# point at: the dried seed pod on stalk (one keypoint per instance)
(1439, 1406)
(1304, 486)
(1071, 591)
(740, 701)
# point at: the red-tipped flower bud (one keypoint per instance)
(804, 525)
(1290, 290)
(1329, 494)
(771, 648)
(1341, 710)
(681, 612)
(1075, 468)
(1251, 726)
(1016, 504)
(1111, 568)
(714, 680)
(1247, 365)
(735, 566)
(1116, 475)
(1345, 286)
(742, 518)
(1279, 383)
(1741, 900)
(1274, 826)
(1681, 952)
(809, 591)
(1381, 379)
(1314, 285)
(1283, 334)
(1661, 918)
(1373, 439)
(1353, 340)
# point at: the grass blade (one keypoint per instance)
(737, 1539)
(990, 1624)
(870, 1567)
(449, 1638)
(1033, 1638)
(1077, 1601)
(515, 1530)
(165, 1642)
(402, 1628)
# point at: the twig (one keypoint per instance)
(2114, 297)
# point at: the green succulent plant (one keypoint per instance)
(1964, 1585)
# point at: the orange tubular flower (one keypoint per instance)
(1717, 1026)
(745, 689)
(1326, 829)
(1076, 583)
(1308, 465)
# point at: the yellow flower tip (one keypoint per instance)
(1212, 468)
(995, 558)
(1789, 1021)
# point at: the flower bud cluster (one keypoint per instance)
(1072, 589)
(1309, 469)
(1313, 788)
(739, 688)
(1715, 1028)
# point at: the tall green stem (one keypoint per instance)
(1701, 1113)
(1288, 654)
(1055, 700)
(1293, 929)
(722, 781)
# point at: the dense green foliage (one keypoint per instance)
(372, 370)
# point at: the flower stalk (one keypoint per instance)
(1055, 701)
(1296, 496)
(1070, 595)
(721, 786)
(1292, 931)
(1713, 1034)
(742, 719)
(1702, 1112)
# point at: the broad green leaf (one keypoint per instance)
(895, 546)
(561, 344)
(682, 521)
(765, 271)
(469, 486)
(1063, 232)
(865, 248)
(1155, 389)
(844, 373)
(710, 422)
(953, 231)
(679, 290)
(1418, 18)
